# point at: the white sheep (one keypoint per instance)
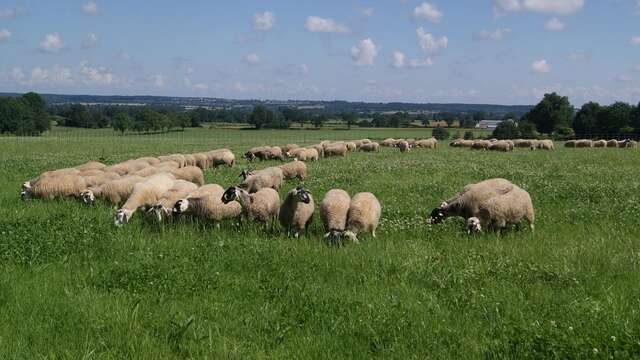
(364, 216)
(114, 191)
(403, 146)
(370, 147)
(221, 157)
(336, 150)
(294, 169)
(206, 203)
(502, 210)
(262, 205)
(189, 173)
(271, 177)
(333, 212)
(164, 207)
(51, 187)
(296, 211)
(145, 194)
(431, 143)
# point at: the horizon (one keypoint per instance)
(492, 52)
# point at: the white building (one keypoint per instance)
(488, 124)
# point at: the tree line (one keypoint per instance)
(24, 115)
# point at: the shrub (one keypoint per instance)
(440, 133)
(468, 135)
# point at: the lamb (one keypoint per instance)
(600, 144)
(364, 216)
(334, 209)
(612, 143)
(546, 145)
(466, 204)
(262, 205)
(502, 210)
(370, 147)
(336, 150)
(221, 157)
(431, 143)
(272, 177)
(403, 146)
(114, 191)
(294, 169)
(584, 143)
(145, 194)
(189, 173)
(296, 211)
(500, 146)
(164, 207)
(51, 187)
(206, 203)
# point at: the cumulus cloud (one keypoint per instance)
(252, 59)
(90, 42)
(51, 43)
(624, 78)
(496, 34)
(365, 11)
(540, 66)
(90, 8)
(10, 13)
(554, 25)
(430, 43)
(157, 80)
(364, 53)
(560, 7)
(263, 21)
(4, 35)
(318, 24)
(399, 61)
(96, 75)
(200, 87)
(56, 75)
(427, 11)
(635, 41)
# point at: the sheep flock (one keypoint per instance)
(172, 186)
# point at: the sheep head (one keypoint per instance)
(160, 211)
(351, 236)
(181, 206)
(121, 217)
(246, 173)
(87, 196)
(302, 194)
(230, 195)
(437, 215)
(249, 156)
(473, 225)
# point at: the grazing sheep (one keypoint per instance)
(296, 211)
(202, 160)
(319, 148)
(584, 143)
(145, 194)
(221, 157)
(262, 205)
(91, 165)
(336, 150)
(630, 144)
(466, 203)
(51, 187)
(99, 179)
(289, 147)
(431, 143)
(481, 145)
(600, 144)
(390, 142)
(114, 191)
(403, 146)
(500, 146)
(264, 153)
(570, 144)
(305, 154)
(365, 141)
(149, 160)
(462, 143)
(271, 177)
(189, 173)
(370, 147)
(502, 210)
(612, 143)
(334, 209)
(190, 160)
(364, 216)
(546, 145)
(164, 207)
(351, 146)
(206, 203)
(127, 167)
(179, 158)
(294, 169)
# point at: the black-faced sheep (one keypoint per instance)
(262, 205)
(164, 207)
(206, 203)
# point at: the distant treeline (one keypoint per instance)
(24, 115)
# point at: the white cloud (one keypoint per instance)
(51, 43)
(364, 53)
(252, 59)
(560, 7)
(158, 80)
(554, 25)
(365, 11)
(90, 42)
(399, 61)
(624, 77)
(318, 24)
(96, 75)
(430, 43)
(56, 75)
(200, 87)
(17, 74)
(427, 11)
(10, 13)
(263, 21)
(123, 56)
(496, 34)
(540, 66)
(4, 35)
(635, 41)
(90, 8)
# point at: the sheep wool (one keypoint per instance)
(296, 211)
(364, 216)
(164, 207)
(145, 194)
(333, 212)
(294, 169)
(502, 210)
(262, 205)
(271, 177)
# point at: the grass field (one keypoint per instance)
(73, 286)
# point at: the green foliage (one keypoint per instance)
(586, 120)
(469, 124)
(552, 111)
(25, 115)
(614, 117)
(440, 133)
(468, 135)
(506, 130)
(349, 118)
(122, 122)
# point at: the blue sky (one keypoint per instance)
(475, 51)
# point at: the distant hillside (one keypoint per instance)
(325, 106)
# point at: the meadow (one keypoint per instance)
(74, 286)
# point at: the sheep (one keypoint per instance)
(584, 143)
(319, 148)
(358, 143)
(272, 177)
(294, 169)
(336, 150)
(600, 144)
(431, 143)
(264, 153)
(351, 146)
(570, 144)
(262, 205)
(534, 144)
(289, 147)
(149, 160)
(612, 143)
(99, 179)
(127, 167)
(145, 194)
(364, 216)
(189, 173)
(370, 147)
(91, 165)
(274, 152)
(403, 146)
(206, 203)
(305, 154)
(365, 141)
(462, 143)
(630, 144)
(221, 157)
(312, 154)
(164, 207)
(202, 160)
(467, 202)
(481, 145)
(389, 142)
(114, 191)
(51, 187)
(296, 211)
(500, 146)
(333, 212)
(190, 160)
(179, 158)
(502, 210)
(546, 145)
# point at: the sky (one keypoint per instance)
(462, 51)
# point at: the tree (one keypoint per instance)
(552, 111)
(510, 116)
(479, 116)
(506, 130)
(614, 117)
(78, 116)
(440, 133)
(293, 115)
(261, 116)
(469, 124)
(41, 121)
(586, 120)
(468, 135)
(122, 122)
(349, 118)
(635, 118)
(319, 120)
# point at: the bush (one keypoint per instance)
(564, 133)
(468, 135)
(506, 130)
(440, 133)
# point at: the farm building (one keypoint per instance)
(488, 124)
